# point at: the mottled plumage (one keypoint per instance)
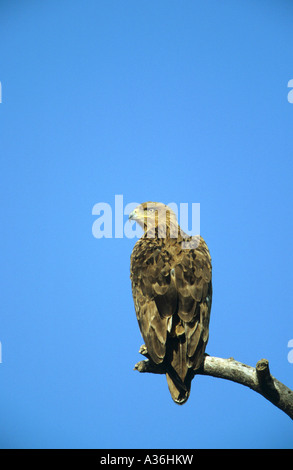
(172, 293)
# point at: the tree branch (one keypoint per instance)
(258, 379)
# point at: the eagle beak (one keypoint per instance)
(133, 215)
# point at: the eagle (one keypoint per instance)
(171, 279)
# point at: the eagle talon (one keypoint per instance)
(143, 350)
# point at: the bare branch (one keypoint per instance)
(258, 379)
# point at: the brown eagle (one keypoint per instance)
(171, 277)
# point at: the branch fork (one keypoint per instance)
(258, 379)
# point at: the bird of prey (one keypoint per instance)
(172, 291)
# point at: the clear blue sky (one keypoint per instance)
(155, 100)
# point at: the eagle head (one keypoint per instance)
(155, 216)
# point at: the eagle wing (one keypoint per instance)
(193, 281)
(154, 296)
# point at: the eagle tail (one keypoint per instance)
(178, 374)
(179, 390)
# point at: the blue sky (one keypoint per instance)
(153, 100)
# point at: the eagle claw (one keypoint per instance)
(143, 350)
